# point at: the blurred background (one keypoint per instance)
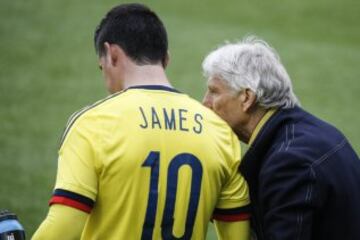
(48, 70)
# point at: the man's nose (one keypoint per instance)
(207, 101)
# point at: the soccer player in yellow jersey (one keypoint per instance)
(148, 162)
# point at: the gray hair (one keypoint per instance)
(252, 64)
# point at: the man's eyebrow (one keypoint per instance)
(212, 87)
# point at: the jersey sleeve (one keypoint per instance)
(234, 201)
(77, 179)
(239, 230)
(60, 219)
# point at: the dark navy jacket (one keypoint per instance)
(304, 180)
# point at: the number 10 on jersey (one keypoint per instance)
(153, 161)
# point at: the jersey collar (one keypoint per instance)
(154, 87)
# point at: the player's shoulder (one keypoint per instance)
(88, 116)
(210, 115)
(214, 121)
(216, 126)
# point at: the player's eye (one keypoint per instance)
(100, 67)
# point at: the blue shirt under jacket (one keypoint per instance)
(304, 180)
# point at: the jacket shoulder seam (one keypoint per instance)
(328, 154)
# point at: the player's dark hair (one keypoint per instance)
(137, 30)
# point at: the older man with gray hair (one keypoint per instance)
(303, 175)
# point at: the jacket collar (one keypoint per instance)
(252, 159)
(261, 123)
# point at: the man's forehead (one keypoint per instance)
(213, 79)
(216, 81)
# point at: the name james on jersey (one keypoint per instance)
(170, 119)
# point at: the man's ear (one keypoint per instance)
(248, 99)
(108, 57)
(114, 54)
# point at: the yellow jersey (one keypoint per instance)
(150, 163)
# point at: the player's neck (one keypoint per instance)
(145, 75)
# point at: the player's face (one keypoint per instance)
(224, 101)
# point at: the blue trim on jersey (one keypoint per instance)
(79, 113)
(232, 211)
(154, 87)
(74, 196)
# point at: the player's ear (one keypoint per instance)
(166, 60)
(114, 54)
(108, 57)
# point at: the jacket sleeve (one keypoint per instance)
(287, 191)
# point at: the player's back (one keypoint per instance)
(160, 164)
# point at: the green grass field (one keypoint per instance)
(48, 69)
